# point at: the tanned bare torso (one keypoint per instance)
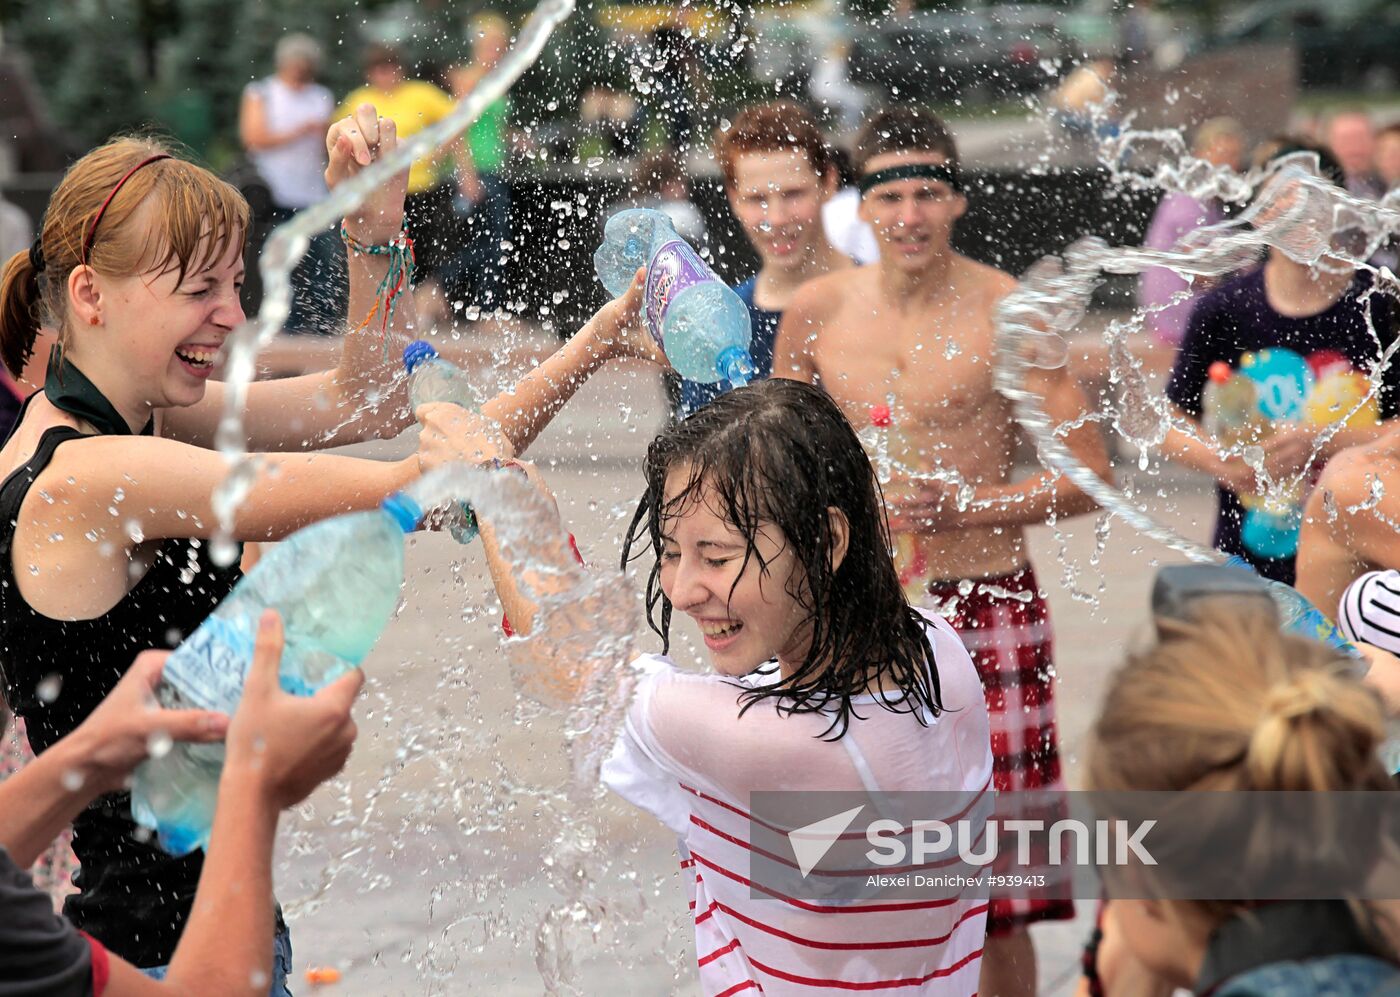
(931, 362)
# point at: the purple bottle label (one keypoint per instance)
(674, 268)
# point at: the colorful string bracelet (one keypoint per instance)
(399, 278)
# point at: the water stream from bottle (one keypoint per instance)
(1293, 210)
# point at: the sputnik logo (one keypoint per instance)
(811, 843)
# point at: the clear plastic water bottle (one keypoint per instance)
(701, 325)
(336, 584)
(1230, 405)
(433, 379)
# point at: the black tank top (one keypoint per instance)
(134, 898)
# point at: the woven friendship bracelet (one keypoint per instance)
(399, 279)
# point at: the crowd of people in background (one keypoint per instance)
(914, 596)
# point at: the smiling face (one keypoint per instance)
(777, 197)
(747, 615)
(163, 335)
(913, 219)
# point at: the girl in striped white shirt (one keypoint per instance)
(765, 520)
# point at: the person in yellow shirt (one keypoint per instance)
(414, 105)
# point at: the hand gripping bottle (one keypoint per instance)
(1229, 405)
(433, 379)
(336, 584)
(1231, 409)
(701, 325)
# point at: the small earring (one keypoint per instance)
(94, 320)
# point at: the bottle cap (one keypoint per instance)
(1220, 372)
(403, 510)
(735, 366)
(416, 353)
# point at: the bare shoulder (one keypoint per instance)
(995, 284)
(1351, 475)
(823, 296)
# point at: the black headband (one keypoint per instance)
(913, 171)
(36, 254)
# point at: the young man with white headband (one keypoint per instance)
(905, 346)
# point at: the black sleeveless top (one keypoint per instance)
(134, 897)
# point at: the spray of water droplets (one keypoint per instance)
(289, 242)
(1292, 209)
(450, 807)
(453, 801)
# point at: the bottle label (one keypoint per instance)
(208, 668)
(674, 268)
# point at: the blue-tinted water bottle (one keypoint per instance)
(336, 584)
(1297, 614)
(1270, 533)
(701, 325)
(433, 379)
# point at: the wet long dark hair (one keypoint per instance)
(781, 452)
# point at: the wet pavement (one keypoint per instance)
(444, 898)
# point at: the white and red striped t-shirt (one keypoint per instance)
(687, 756)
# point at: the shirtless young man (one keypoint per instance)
(908, 342)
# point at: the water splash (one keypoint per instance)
(575, 657)
(1294, 210)
(453, 802)
(289, 242)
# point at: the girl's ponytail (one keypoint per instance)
(19, 312)
(1317, 731)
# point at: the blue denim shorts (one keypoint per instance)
(281, 961)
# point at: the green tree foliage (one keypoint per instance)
(90, 59)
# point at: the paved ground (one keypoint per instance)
(429, 868)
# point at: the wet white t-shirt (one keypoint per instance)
(687, 756)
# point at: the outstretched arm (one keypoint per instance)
(44, 797)
(279, 748)
(365, 396)
(164, 489)
(526, 409)
(523, 412)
